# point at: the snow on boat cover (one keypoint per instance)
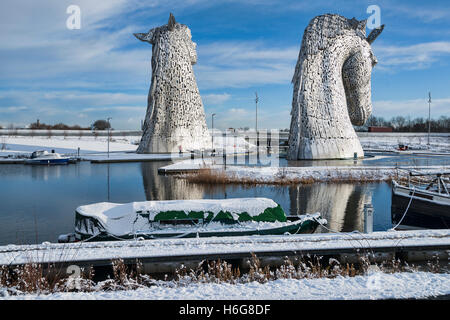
(144, 217)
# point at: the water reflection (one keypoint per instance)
(45, 172)
(341, 204)
(159, 187)
(38, 202)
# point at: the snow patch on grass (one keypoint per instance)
(374, 286)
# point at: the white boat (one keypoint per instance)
(186, 219)
(47, 158)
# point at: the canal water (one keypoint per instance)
(38, 202)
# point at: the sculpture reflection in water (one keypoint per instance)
(341, 204)
(160, 187)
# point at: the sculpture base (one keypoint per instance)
(325, 149)
(174, 144)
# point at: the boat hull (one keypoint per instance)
(47, 161)
(295, 227)
(425, 210)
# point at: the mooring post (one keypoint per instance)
(235, 152)
(247, 151)
(368, 218)
(224, 152)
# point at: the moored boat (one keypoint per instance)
(423, 205)
(187, 219)
(46, 158)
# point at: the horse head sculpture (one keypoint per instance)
(175, 119)
(172, 30)
(332, 88)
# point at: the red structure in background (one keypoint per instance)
(380, 129)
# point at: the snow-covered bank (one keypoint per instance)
(68, 144)
(439, 142)
(286, 175)
(131, 156)
(373, 286)
(318, 174)
(99, 144)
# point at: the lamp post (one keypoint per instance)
(256, 122)
(256, 102)
(109, 127)
(212, 131)
(429, 118)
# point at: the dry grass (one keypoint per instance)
(304, 267)
(35, 279)
(210, 176)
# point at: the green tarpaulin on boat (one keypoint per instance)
(268, 215)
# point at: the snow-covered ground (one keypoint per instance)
(69, 144)
(372, 286)
(12, 145)
(99, 144)
(414, 141)
(274, 174)
(132, 156)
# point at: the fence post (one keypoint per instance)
(368, 218)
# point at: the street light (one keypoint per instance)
(212, 133)
(429, 118)
(109, 127)
(256, 102)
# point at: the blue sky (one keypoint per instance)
(54, 74)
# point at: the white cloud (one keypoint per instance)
(241, 117)
(414, 108)
(12, 109)
(212, 77)
(417, 56)
(426, 14)
(215, 99)
(72, 107)
(244, 64)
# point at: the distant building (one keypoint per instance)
(380, 129)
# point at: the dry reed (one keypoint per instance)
(35, 279)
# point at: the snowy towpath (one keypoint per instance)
(373, 286)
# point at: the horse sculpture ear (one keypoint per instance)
(172, 22)
(146, 37)
(362, 26)
(374, 34)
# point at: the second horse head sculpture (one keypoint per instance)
(332, 88)
(175, 119)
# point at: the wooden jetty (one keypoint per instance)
(164, 256)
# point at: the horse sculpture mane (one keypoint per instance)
(331, 88)
(175, 118)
